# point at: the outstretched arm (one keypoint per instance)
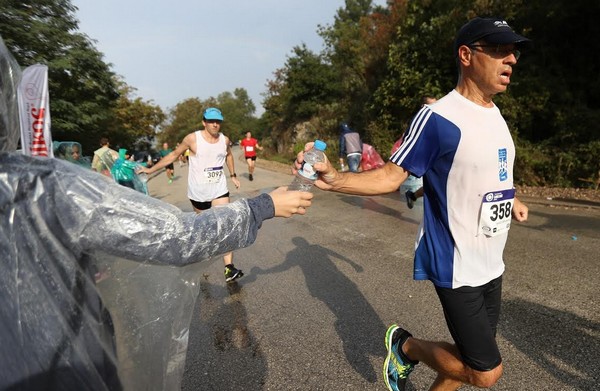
(168, 159)
(386, 179)
(104, 216)
(231, 165)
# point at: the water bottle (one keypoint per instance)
(306, 176)
(143, 177)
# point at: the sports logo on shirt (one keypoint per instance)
(502, 164)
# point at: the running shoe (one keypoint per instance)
(170, 180)
(251, 177)
(410, 199)
(397, 366)
(231, 273)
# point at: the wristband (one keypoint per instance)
(233, 175)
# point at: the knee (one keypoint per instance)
(486, 379)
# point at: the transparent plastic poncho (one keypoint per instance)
(95, 291)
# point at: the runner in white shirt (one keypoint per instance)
(207, 181)
(462, 148)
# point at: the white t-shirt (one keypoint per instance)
(465, 154)
(206, 176)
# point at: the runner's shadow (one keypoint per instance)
(564, 344)
(370, 204)
(222, 352)
(588, 226)
(357, 324)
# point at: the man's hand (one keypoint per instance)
(327, 174)
(142, 169)
(520, 211)
(236, 182)
(288, 203)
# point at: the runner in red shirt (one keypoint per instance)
(249, 146)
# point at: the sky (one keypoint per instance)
(179, 49)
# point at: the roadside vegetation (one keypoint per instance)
(377, 65)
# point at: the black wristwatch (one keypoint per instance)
(233, 175)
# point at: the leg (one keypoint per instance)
(231, 273)
(471, 315)
(419, 192)
(411, 197)
(445, 359)
(227, 258)
(353, 162)
(250, 162)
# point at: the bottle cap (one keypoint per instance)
(320, 145)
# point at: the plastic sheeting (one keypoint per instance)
(70, 151)
(91, 298)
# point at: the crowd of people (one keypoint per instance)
(459, 246)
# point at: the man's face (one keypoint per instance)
(165, 146)
(248, 135)
(212, 126)
(492, 66)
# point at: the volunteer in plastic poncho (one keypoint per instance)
(77, 290)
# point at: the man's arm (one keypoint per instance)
(384, 180)
(230, 164)
(167, 159)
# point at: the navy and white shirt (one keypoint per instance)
(465, 154)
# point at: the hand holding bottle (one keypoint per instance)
(327, 174)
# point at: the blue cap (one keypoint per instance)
(212, 113)
(320, 145)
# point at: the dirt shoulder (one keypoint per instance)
(549, 196)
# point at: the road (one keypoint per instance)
(320, 290)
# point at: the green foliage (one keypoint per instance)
(377, 65)
(82, 89)
(238, 110)
(385, 61)
(135, 120)
(186, 116)
(182, 119)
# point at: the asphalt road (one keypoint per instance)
(320, 290)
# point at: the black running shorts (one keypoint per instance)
(205, 205)
(472, 316)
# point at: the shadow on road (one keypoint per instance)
(222, 334)
(357, 324)
(371, 204)
(564, 344)
(588, 225)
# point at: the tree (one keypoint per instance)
(81, 85)
(186, 116)
(136, 121)
(302, 87)
(349, 54)
(238, 110)
(182, 119)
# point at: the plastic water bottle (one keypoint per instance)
(306, 176)
(143, 177)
